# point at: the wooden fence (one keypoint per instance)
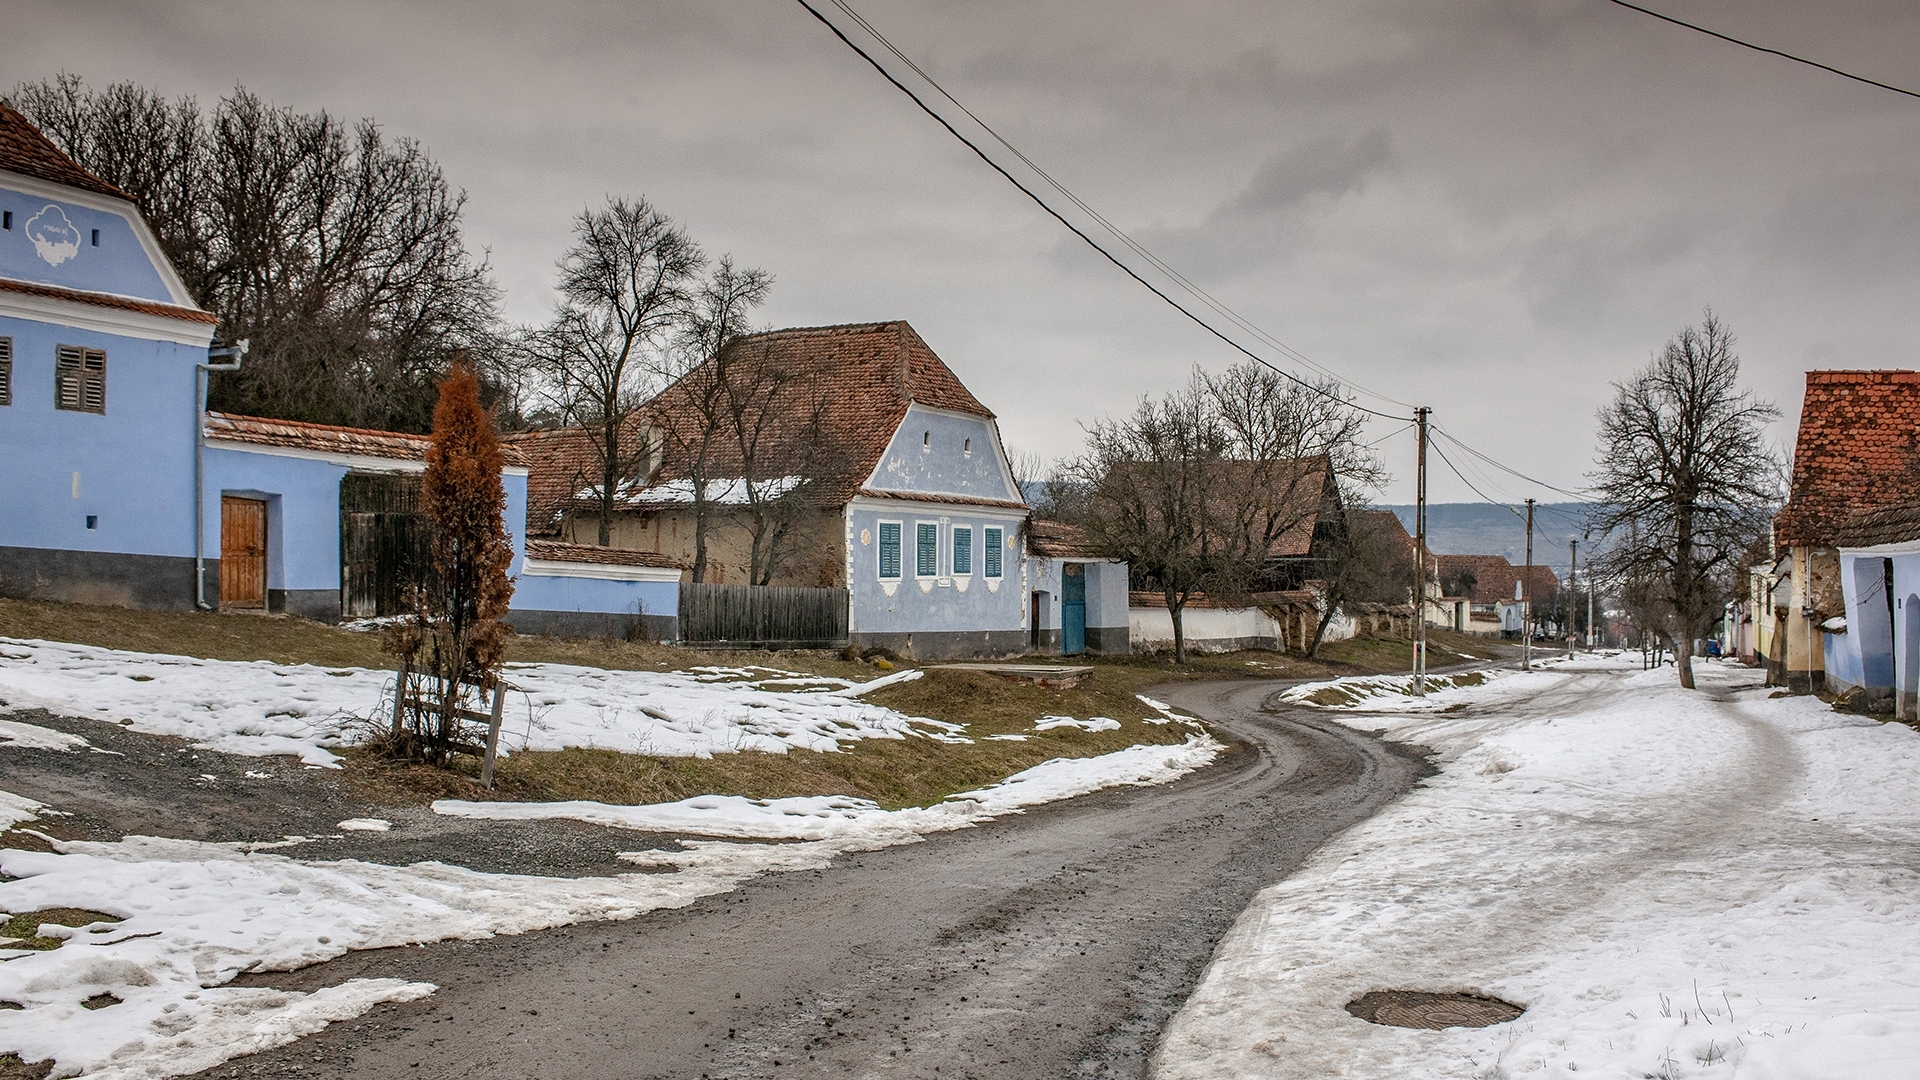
(763, 616)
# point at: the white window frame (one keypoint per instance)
(953, 549)
(917, 526)
(1000, 545)
(880, 549)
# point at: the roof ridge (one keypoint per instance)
(314, 426)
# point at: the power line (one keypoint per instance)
(1511, 471)
(1057, 216)
(1765, 49)
(1154, 260)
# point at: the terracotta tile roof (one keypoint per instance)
(1858, 448)
(326, 438)
(25, 151)
(561, 463)
(1898, 523)
(1494, 576)
(858, 379)
(108, 300)
(555, 551)
(1059, 540)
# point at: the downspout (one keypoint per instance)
(237, 350)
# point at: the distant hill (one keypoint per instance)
(1483, 529)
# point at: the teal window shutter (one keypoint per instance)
(962, 550)
(926, 549)
(889, 551)
(993, 543)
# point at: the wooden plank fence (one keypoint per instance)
(763, 616)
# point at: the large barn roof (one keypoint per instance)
(1858, 448)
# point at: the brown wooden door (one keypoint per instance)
(243, 552)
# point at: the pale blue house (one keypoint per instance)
(895, 488)
(1875, 647)
(106, 443)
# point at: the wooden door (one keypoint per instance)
(1073, 609)
(243, 552)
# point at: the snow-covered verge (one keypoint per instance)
(262, 708)
(836, 817)
(1674, 884)
(196, 914)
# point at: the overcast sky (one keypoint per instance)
(1493, 207)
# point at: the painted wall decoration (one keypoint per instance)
(55, 238)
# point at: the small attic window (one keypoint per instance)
(926, 440)
(96, 238)
(6, 220)
(967, 449)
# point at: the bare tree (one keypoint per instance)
(692, 419)
(625, 284)
(1198, 491)
(1147, 481)
(1292, 444)
(775, 419)
(335, 249)
(1366, 563)
(1686, 475)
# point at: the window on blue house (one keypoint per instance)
(993, 544)
(6, 371)
(889, 551)
(80, 379)
(926, 549)
(962, 550)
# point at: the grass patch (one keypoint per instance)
(892, 772)
(25, 926)
(13, 1068)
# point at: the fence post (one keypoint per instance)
(400, 695)
(493, 734)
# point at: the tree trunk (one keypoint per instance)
(1683, 659)
(1176, 607)
(699, 572)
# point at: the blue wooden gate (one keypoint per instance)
(1073, 609)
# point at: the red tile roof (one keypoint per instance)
(25, 151)
(1858, 448)
(1897, 523)
(327, 438)
(108, 300)
(561, 463)
(1494, 576)
(555, 551)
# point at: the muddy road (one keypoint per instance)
(1055, 943)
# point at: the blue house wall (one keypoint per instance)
(98, 507)
(1880, 650)
(935, 466)
(572, 605)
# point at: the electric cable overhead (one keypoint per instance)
(1765, 49)
(1158, 263)
(1171, 273)
(1061, 218)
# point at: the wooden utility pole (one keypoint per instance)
(1573, 594)
(1420, 561)
(1526, 599)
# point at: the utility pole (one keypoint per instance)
(1590, 587)
(1526, 600)
(1573, 592)
(1420, 561)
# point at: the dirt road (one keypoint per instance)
(1052, 944)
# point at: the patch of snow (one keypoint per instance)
(261, 709)
(1683, 884)
(1097, 723)
(365, 824)
(34, 737)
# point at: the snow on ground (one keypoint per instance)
(261, 708)
(1674, 884)
(34, 737)
(833, 817)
